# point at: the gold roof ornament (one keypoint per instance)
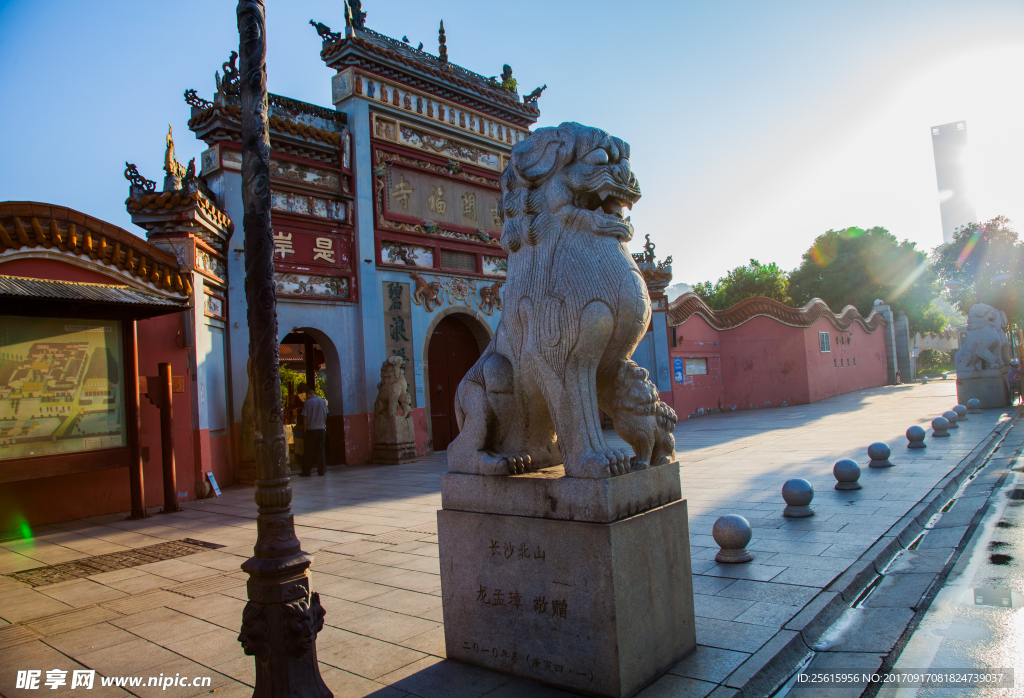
(174, 169)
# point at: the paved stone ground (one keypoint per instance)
(373, 530)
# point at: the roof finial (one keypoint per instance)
(442, 50)
(354, 15)
(173, 168)
(169, 160)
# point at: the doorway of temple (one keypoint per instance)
(452, 352)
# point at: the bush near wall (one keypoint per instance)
(931, 359)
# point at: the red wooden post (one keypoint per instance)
(134, 427)
(167, 440)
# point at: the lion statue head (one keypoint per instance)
(983, 316)
(572, 176)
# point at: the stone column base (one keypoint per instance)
(393, 454)
(601, 608)
(987, 385)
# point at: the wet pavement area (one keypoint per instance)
(943, 617)
(976, 620)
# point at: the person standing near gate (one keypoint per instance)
(314, 412)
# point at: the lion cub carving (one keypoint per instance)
(575, 308)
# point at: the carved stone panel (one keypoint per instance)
(213, 305)
(304, 174)
(328, 287)
(398, 339)
(495, 266)
(448, 147)
(409, 255)
(210, 264)
(308, 205)
(422, 195)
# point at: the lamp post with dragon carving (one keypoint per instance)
(281, 620)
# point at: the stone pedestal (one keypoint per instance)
(988, 385)
(394, 440)
(586, 587)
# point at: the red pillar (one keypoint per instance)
(167, 440)
(134, 426)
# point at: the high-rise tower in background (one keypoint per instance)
(949, 142)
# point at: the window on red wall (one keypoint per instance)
(697, 367)
(824, 342)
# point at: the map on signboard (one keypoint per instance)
(61, 386)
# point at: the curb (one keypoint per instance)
(829, 604)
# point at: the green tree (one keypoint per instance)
(754, 279)
(972, 263)
(856, 266)
(293, 378)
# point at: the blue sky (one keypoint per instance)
(754, 126)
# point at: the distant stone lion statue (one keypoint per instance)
(986, 339)
(575, 308)
(393, 390)
(394, 434)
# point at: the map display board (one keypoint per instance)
(61, 386)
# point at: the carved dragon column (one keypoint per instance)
(282, 618)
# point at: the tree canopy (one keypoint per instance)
(856, 266)
(754, 279)
(972, 263)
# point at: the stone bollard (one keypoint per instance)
(940, 425)
(798, 494)
(961, 413)
(915, 435)
(732, 533)
(924, 380)
(952, 418)
(847, 473)
(879, 454)
(974, 406)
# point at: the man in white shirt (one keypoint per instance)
(314, 412)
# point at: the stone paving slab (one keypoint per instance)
(374, 534)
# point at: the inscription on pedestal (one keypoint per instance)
(599, 608)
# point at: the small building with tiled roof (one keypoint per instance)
(86, 310)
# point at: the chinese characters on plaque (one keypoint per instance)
(310, 251)
(398, 328)
(430, 197)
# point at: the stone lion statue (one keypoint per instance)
(393, 390)
(575, 308)
(986, 340)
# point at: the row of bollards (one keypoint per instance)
(948, 420)
(732, 532)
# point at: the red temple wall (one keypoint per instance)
(695, 338)
(764, 361)
(863, 351)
